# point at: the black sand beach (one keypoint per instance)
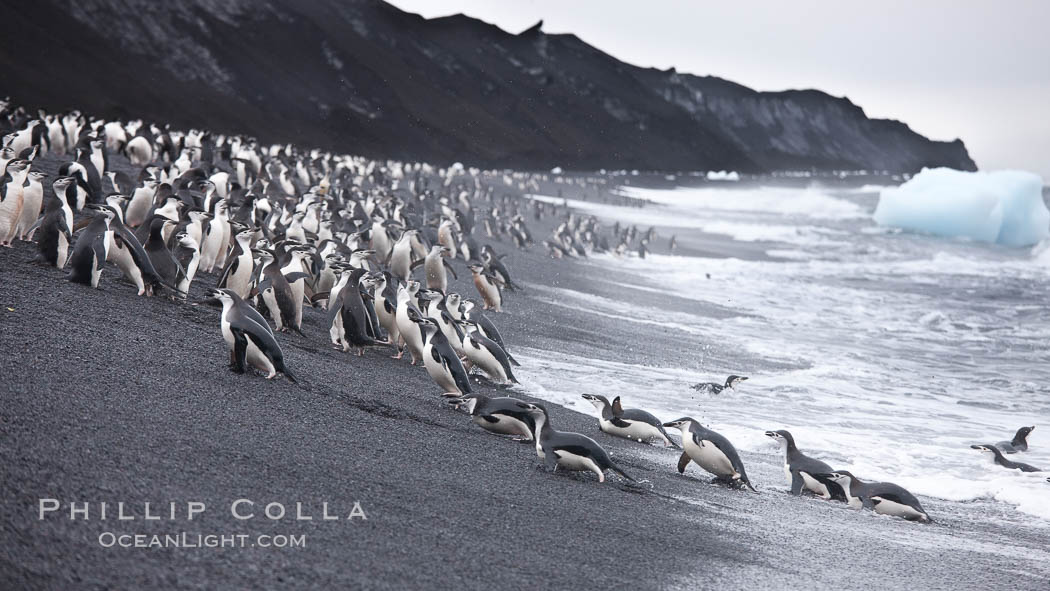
(107, 396)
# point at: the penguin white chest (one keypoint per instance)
(710, 458)
(636, 430)
(815, 485)
(888, 507)
(504, 425)
(571, 461)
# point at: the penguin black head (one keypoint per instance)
(733, 380)
(840, 476)
(596, 400)
(533, 409)
(1022, 433)
(682, 423)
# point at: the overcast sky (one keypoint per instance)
(977, 70)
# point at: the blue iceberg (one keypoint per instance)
(1005, 207)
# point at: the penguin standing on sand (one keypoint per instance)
(487, 288)
(55, 230)
(571, 451)
(805, 472)
(495, 266)
(240, 265)
(385, 303)
(1000, 459)
(714, 388)
(632, 423)
(1018, 443)
(483, 352)
(411, 333)
(32, 202)
(347, 317)
(125, 251)
(884, 498)
(434, 265)
(89, 252)
(502, 415)
(165, 264)
(474, 313)
(11, 199)
(277, 294)
(249, 338)
(711, 451)
(188, 253)
(440, 360)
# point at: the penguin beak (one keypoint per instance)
(671, 424)
(771, 434)
(977, 447)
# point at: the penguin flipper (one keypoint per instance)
(617, 421)
(450, 269)
(617, 408)
(796, 483)
(415, 265)
(296, 276)
(458, 374)
(512, 360)
(240, 350)
(683, 462)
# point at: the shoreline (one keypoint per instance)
(112, 397)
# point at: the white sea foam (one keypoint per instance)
(884, 353)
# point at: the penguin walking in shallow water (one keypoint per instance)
(711, 451)
(571, 451)
(89, 252)
(1000, 459)
(630, 423)
(440, 360)
(249, 338)
(884, 498)
(502, 415)
(714, 388)
(1018, 443)
(805, 472)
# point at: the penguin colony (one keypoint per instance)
(284, 229)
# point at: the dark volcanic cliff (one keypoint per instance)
(361, 76)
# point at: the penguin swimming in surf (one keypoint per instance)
(998, 458)
(1018, 443)
(714, 388)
